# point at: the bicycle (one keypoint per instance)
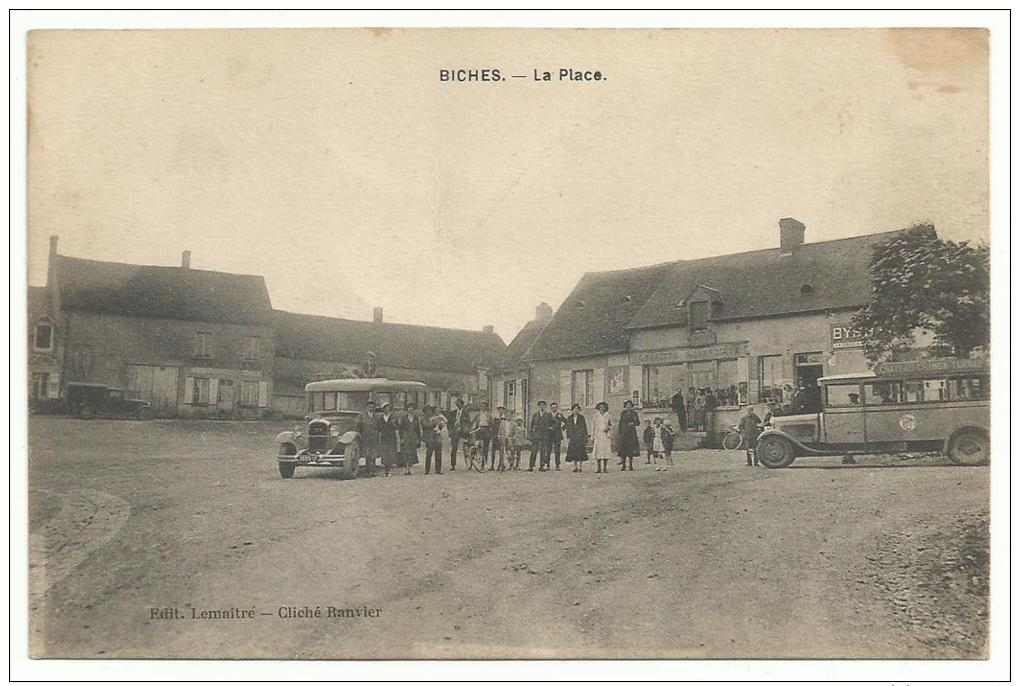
(733, 439)
(473, 460)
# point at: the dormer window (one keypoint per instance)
(807, 289)
(43, 338)
(699, 315)
(580, 304)
(625, 299)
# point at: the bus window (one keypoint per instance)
(968, 388)
(882, 392)
(842, 395)
(328, 401)
(382, 397)
(917, 391)
(351, 400)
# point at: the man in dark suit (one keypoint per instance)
(542, 427)
(560, 423)
(459, 425)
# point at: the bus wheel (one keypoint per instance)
(351, 458)
(287, 469)
(775, 452)
(969, 447)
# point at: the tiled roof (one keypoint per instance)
(817, 276)
(162, 292)
(593, 318)
(518, 349)
(310, 337)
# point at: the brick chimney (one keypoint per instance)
(791, 234)
(543, 312)
(186, 259)
(377, 315)
(53, 278)
(487, 328)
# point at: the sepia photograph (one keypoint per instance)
(462, 343)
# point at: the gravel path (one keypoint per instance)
(886, 559)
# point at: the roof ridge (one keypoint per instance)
(385, 323)
(159, 266)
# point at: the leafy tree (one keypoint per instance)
(921, 282)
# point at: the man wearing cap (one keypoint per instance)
(542, 427)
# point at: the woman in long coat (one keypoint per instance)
(577, 437)
(629, 446)
(602, 446)
(388, 427)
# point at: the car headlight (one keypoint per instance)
(334, 431)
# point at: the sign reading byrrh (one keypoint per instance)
(843, 337)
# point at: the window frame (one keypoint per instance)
(252, 349)
(200, 385)
(690, 314)
(588, 376)
(203, 351)
(47, 324)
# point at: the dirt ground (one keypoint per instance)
(139, 529)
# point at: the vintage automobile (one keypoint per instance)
(330, 438)
(88, 400)
(922, 405)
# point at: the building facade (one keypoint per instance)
(750, 328)
(510, 380)
(191, 342)
(451, 362)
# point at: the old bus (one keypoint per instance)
(922, 405)
(330, 438)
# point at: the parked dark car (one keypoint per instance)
(88, 400)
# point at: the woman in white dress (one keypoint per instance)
(602, 446)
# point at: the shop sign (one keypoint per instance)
(843, 337)
(677, 355)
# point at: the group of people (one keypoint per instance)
(498, 439)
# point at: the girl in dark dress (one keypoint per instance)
(629, 445)
(577, 435)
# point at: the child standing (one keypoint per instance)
(648, 437)
(749, 428)
(518, 439)
(668, 436)
(658, 444)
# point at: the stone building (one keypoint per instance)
(191, 342)
(451, 362)
(510, 378)
(745, 326)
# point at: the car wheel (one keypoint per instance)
(287, 469)
(352, 456)
(145, 414)
(969, 447)
(775, 452)
(86, 412)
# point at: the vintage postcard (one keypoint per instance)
(464, 343)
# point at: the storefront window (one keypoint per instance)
(726, 390)
(724, 378)
(660, 383)
(770, 375)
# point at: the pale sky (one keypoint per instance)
(338, 165)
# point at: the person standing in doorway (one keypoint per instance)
(577, 437)
(557, 432)
(602, 445)
(629, 445)
(679, 409)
